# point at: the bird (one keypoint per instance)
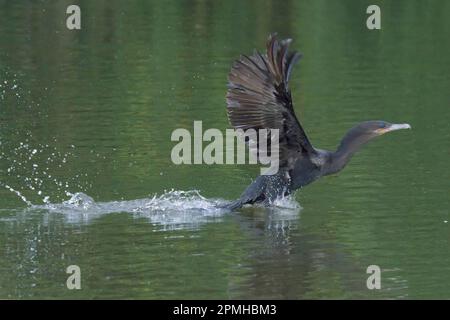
(259, 98)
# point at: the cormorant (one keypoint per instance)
(258, 98)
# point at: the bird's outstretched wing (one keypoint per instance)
(258, 98)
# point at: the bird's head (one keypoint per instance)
(378, 127)
(359, 135)
(365, 131)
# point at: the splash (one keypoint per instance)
(33, 169)
(171, 210)
(20, 195)
(287, 202)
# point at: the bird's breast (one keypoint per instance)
(304, 172)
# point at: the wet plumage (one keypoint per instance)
(259, 98)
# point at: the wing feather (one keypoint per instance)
(259, 98)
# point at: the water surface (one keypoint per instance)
(86, 176)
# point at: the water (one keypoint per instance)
(86, 176)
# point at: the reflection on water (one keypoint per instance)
(47, 235)
(85, 131)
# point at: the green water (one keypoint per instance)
(99, 104)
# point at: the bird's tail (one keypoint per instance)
(232, 205)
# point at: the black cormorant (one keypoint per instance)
(258, 98)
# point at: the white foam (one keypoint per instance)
(173, 209)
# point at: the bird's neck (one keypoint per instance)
(349, 145)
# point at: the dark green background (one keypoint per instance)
(107, 97)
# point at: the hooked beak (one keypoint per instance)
(394, 127)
